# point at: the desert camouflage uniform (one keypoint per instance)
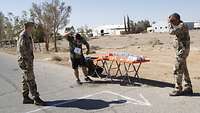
(25, 61)
(182, 47)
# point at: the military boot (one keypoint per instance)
(27, 100)
(79, 82)
(187, 91)
(38, 101)
(88, 79)
(176, 93)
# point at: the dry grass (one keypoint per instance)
(56, 58)
(155, 42)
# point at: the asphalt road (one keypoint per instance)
(57, 86)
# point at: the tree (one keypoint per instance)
(147, 24)
(10, 26)
(128, 24)
(125, 24)
(8, 29)
(132, 26)
(85, 31)
(38, 34)
(15, 24)
(1, 25)
(138, 27)
(53, 16)
(39, 16)
(142, 25)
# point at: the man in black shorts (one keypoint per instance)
(76, 53)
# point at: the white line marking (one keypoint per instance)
(145, 102)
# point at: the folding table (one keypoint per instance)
(107, 63)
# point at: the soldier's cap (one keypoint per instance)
(29, 24)
(176, 15)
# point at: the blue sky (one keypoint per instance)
(99, 12)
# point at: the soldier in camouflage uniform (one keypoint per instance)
(25, 61)
(182, 47)
(76, 53)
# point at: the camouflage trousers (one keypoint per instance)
(181, 70)
(28, 80)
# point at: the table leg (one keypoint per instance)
(136, 70)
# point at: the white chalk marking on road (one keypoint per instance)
(145, 102)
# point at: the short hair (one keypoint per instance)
(176, 15)
(29, 24)
(78, 36)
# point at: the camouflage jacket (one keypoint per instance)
(182, 41)
(73, 44)
(25, 48)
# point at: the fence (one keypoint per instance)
(8, 43)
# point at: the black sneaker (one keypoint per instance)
(38, 101)
(88, 79)
(28, 100)
(187, 91)
(176, 93)
(79, 82)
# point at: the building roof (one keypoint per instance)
(110, 27)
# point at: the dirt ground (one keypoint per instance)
(159, 48)
(156, 46)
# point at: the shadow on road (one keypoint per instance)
(135, 82)
(86, 104)
(154, 83)
(193, 95)
(121, 83)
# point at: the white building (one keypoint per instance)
(108, 30)
(197, 25)
(158, 27)
(162, 26)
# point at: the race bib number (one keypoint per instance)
(77, 51)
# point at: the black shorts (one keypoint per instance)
(78, 62)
